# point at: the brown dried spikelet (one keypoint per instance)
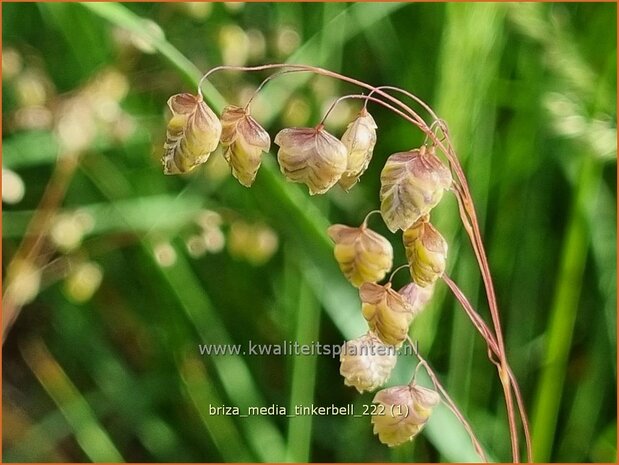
(192, 134)
(412, 183)
(311, 156)
(363, 255)
(402, 412)
(243, 140)
(387, 313)
(366, 363)
(426, 251)
(359, 139)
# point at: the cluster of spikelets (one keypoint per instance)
(412, 183)
(306, 155)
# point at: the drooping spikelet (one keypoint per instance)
(412, 183)
(402, 412)
(417, 296)
(387, 313)
(243, 140)
(363, 255)
(192, 134)
(311, 156)
(426, 251)
(359, 139)
(366, 363)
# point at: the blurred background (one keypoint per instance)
(114, 273)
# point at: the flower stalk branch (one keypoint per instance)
(448, 401)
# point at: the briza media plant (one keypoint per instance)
(413, 182)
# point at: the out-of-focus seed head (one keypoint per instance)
(66, 232)
(412, 183)
(257, 45)
(255, 243)
(211, 239)
(243, 140)
(387, 313)
(363, 255)
(13, 187)
(287, 40)
(366, 363)
(311, 156)
(197, 10)
(32, 87)
(234, 45)
(83, 281)
(23, 282)
(193, 133)
(12, 63)
(417, 296)
(37, 117)
(165, 254)
(84, 220)
(359, 139)
(149, 34)
(402, 412)
(196, 245)
(297, 111)
(208, 219)
(341, 112)
(426, 251)
(214, 240)
(234, 7)
(75, 125)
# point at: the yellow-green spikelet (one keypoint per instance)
(362, 254)
(426, 251)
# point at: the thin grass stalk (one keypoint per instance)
(485, 332)
(31, 246)
(472, 314)
(449, 401)
(503, 366)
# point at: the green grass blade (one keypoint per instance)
(472, 39)
(563, 316)
(236, 377)
(135, 215)
(88, 431)
(305, 311)
(226, 435)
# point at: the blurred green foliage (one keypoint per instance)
(135, 269)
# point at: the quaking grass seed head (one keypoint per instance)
(192, 134)
(412, 183)
(243, 140)
(426, 251)
(311, 156)
(362, 254)
(359, 139)
(366, 363)
(403, 412)
(387, 312)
